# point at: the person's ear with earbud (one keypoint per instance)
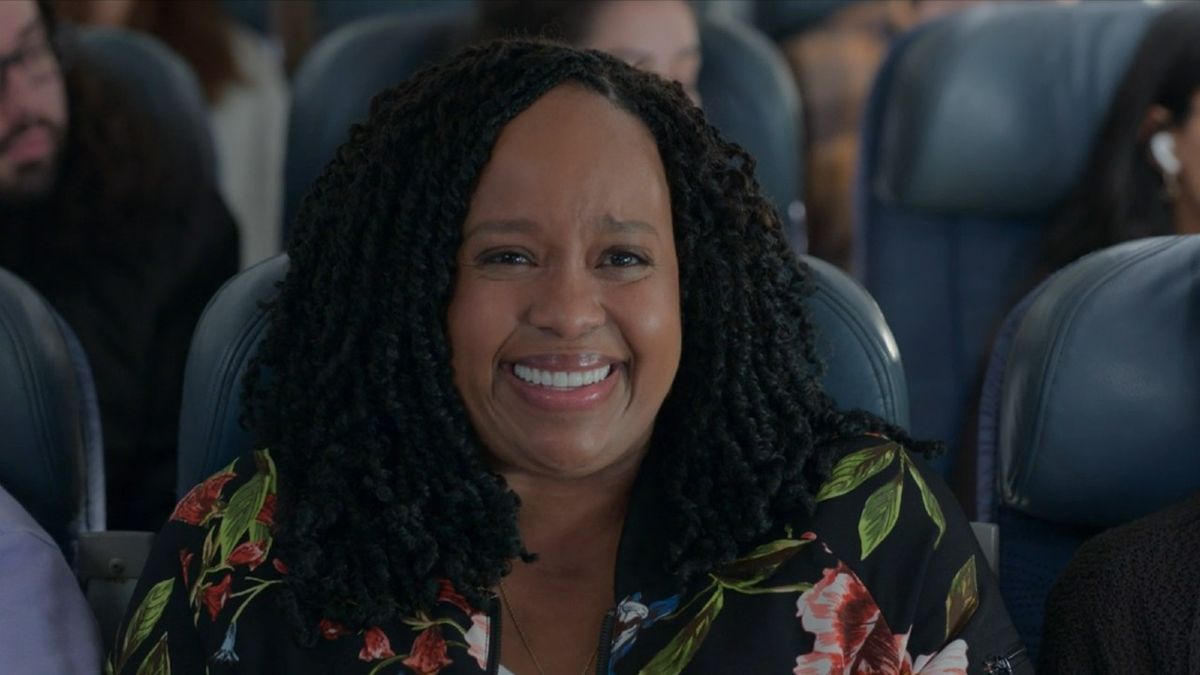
(1162, 149)
(1174, 148)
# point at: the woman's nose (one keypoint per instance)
(567, 303)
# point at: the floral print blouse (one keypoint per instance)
(884, 577)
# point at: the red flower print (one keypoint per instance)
(197, 505)
(249, 553)
(375, 646)
(428, 653)
(215, 596)
(279, 566)
(851, 633)
(951, 660)
(266, 515)
(477, 639)
(185, 561)
(446, 593)
(331, 630)
(853, 637)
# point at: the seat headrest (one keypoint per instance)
(782, 20)
(334, 86)
(226, 339)
(43, 448)
(993, 110)
(330, 16)
(749, 95)
(1101, 388)
(862, 363)
(863, 369)
(160, 84)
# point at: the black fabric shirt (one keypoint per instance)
(884, 577)
(1129, 602)
(134, 303)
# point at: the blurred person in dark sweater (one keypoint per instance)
(126, 240)
(1129, 602)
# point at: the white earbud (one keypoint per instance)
(1162, 148)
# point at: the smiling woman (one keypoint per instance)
(539, 395)
(567, 269)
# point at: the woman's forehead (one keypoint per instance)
(570, 152)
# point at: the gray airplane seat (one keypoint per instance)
(1090, 411)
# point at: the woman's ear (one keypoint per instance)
(1155, 130)
(1162, 149)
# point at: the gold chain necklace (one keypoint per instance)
(525, 642)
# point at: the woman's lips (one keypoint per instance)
(572, 388)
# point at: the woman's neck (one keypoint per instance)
(1187, 213)
(573, 524)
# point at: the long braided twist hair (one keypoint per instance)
(383, 486)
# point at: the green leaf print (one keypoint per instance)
(144, 618)
(158, 661)
(854, 469)
(209, 552)
(759, 564)
(679, 652)
(931, 503)
(963, 599)
(880, 514)
(243, 507)
(801, 587)
(260, 532)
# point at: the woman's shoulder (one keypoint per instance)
(211, 562)
(223, 527)
(882, 508)
(243, 489)
(875, 489)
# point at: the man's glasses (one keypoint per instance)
(35, 61)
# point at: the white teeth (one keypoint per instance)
(561, 379)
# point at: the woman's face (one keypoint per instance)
(565, 324)
(659, 36)
(1187, 149)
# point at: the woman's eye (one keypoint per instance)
(505, 258)
(623, 259)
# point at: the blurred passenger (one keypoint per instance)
(125, 246)
(834, 55)
(244, 85)
(659, 36)
(1143, 178)
(1129, 602)
(46, 625)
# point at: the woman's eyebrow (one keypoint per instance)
(515, 226)
(610, 224)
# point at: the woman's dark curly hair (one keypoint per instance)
(383, 485)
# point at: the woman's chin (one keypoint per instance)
(558, 461)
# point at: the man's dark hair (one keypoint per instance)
(383, 485)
